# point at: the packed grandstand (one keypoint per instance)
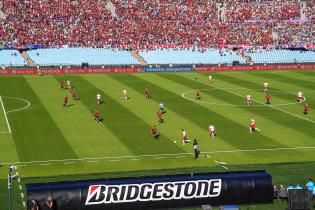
(193, 31)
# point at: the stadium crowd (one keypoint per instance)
(281, 192)
(84, 23)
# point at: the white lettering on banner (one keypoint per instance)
(103, 194)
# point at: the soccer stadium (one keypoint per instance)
(157, 104)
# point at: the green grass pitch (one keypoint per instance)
(45, 139)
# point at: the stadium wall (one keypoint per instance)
(19, 71)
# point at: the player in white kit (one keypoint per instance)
(210, 78)
(69, 85)
(98, 98)
(300, 96)
(248, 100)
(266, 85)
(212, 131)
(125, 94)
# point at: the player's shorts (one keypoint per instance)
(253, 129)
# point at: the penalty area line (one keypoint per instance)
(5, 115)
(231, 92)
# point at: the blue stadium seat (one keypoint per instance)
(11, 58)
(77, 56)
(189, 56)
(282, 56)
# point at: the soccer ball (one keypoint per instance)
(175, 142)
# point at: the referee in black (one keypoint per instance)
(196, 150)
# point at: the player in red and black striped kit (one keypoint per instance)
(155, 132)
(65, 101)
(147, 93)
(198, 97)
(97, 116)
(268, 98)
(306, 108)
(160, 114)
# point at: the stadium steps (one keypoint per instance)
(138, 57)
(111, 7)
(28, 60)
(2, 15)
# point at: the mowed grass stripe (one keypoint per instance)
(261, 139)
(197, 114)
(35, 134)
(75, 122)
(144, 109)
(133, 132)
(310, 73)
(275, 130)
(176, 119)
(297, 124)
(7, 146)
(281, 77)
(289, 87)
(240, 79)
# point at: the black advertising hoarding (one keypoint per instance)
(157, 192)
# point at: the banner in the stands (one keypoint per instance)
(168, 69)
(256, 67)
(156, 192)
(71, 71)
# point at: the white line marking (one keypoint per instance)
(19, 180)
(21, 99)
(118, 158)
(22, 195)
(92, 161)
(67, 163)
(114, 160)
(137, 159)
(5, 115)
(20, 166)
(220, 164)
(237, 105)
(180, 156)
(158, 158)
(24, 205)
(281, 110)
(20, 187)
(45, 164)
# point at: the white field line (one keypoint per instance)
(281, 110)
(119, 158)
(20, 99)
(45, 164)
(67, 163)
(237, 105)
(5, 115)
(156, 158)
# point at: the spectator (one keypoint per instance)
(275, 192)
(310, 185)
(298, 187)
(49, 204)
(34, 205)
(290, 187)
(283, 193)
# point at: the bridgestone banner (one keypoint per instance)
(156, 192)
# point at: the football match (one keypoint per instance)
(121, 104)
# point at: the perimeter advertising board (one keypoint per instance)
(157, 192)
